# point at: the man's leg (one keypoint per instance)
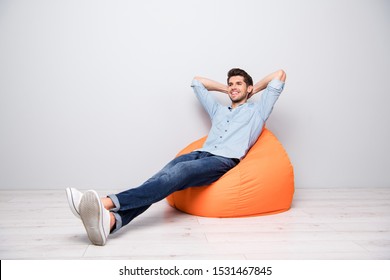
(108, 204)
(194, 169)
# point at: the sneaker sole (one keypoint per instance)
(92, 216)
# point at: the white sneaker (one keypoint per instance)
(95, 217)
(74, 198)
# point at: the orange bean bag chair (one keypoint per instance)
(262, 183)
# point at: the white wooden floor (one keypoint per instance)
(322, 224)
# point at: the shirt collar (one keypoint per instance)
(231, 108)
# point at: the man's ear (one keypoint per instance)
(250, 89)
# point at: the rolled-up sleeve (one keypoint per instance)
(269, 97)
(205, 98)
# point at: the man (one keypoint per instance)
(233, 132)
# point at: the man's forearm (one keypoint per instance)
(262, 84)
(212, 85)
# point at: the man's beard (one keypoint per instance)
(238, 100)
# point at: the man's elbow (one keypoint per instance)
(201, 80)
(198, 78)
(281, 75)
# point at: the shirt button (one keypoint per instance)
(220, 136)
(215, 146)
(225, 130)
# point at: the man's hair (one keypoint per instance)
(239, 72)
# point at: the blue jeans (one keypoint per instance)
(190, 170)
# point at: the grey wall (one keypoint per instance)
(96, 93)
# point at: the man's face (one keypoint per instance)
(238, 90)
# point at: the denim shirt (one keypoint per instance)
(234, 131)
